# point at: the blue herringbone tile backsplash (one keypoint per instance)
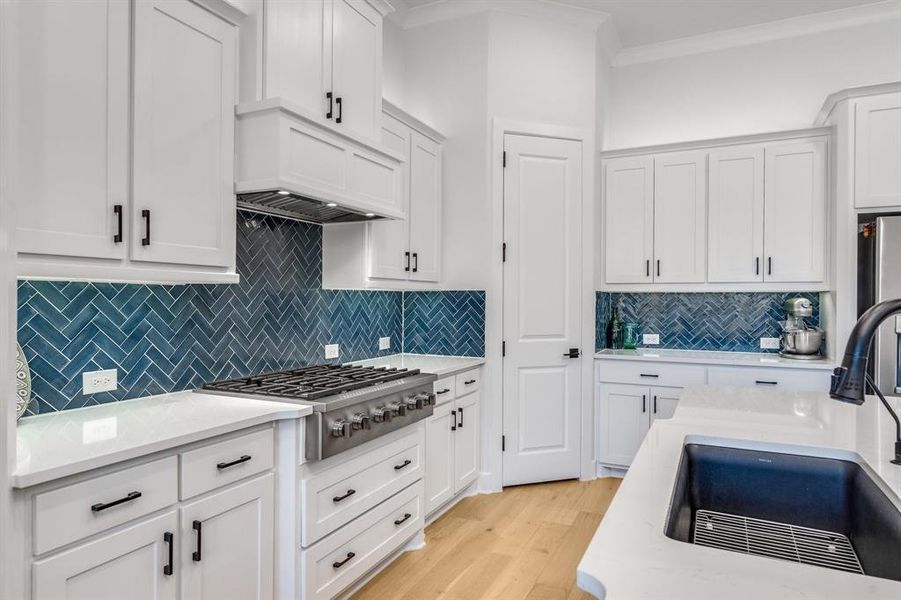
(165, 338)
(732, 322)
(445, 323)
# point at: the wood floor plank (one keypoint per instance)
(521, 544)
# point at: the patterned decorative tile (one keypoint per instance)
(732, 322)
(450, 323)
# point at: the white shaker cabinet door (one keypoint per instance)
(735, 215)
(663, 402)
(795, 212)
(388, 243)
(680, 217)
(227, 543)
(438, 478)
(629, 219)
(624, 421)
(425, 208)
(139, 559)
(184, 114)
(357, 66)
(71, 115)
(877, 151)
(466, 441)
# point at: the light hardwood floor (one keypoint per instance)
(521, 544)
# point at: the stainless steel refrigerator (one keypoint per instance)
(879, 278)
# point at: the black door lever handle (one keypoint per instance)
(573, 353)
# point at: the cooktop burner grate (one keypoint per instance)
(311, 383)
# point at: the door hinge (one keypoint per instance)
(503, 348)
(505, 159)
(504, 252)
(503, 443)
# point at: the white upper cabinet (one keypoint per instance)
(71, 177)
(185, 93)
(425, 208)
(629, 229)
(877, 151)
(735, 210)
(680, 217)
(795, 211)
(389, 240)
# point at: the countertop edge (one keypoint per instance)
(470, 362)
(74, 468)
(819, 365)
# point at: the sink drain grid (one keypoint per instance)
(775, 540)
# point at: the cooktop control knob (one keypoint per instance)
(413, 402)
(360, 421)
(398, 408)
(381, 414)
(427, 398)
(340, 428)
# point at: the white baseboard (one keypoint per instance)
(611, 471)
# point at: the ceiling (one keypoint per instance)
(641, 22)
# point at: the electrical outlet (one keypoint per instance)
(99, 381)
(769, 343)
(650, 339)
(332, 351)
(384, 343)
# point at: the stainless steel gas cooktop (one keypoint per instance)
(352, 404)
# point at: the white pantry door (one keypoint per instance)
(542, 285)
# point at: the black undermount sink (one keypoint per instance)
(819, 511)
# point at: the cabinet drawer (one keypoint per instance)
(213, 466)
(787, 379)
(468, 382)
(76, 511)
(445, 389)
(343, 557)
(651, 373)
(345, 491)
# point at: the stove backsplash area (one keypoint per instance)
(165, 338)
(729, 322)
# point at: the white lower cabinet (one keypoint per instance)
(452, 458)
(626, 414)
(138, 558)
(227, 543)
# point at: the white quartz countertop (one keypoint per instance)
(427, 363)
(59, 444)
(707, 357)
(630, 558)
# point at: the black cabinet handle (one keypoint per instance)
(757, 265)
(169, 539)
(349, 493)
(655, 405)
(470, 382)
(328, 115)
(145, 214)
(406, 261)
(769, 265)
(225, 465)
(340, 102)
(453, 420)
(103, 506)
(341, 563)
(415, 262)
(444, 391)
(760, 382)
(648, 375)
(460, 424)
(647, 268)
(117, 210)
(573, 353)
(658, 267)
(403, 465)
(198, 527)
(405, 517)
(644, 403)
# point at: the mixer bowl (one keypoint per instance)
(804, 342)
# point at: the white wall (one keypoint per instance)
(751, 89)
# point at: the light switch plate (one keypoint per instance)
(384, 343)
(99, 381)
(332, 351)
(650, 339)
(769, 343)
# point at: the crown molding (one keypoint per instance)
(764, 32)
(832, 100)
(446, 10)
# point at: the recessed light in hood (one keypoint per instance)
(282, 203)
